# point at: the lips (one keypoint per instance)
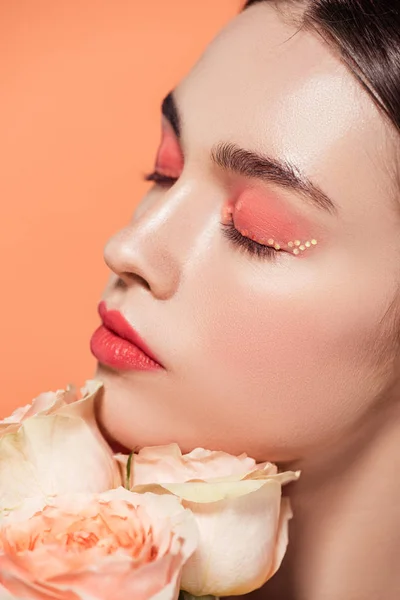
(117, 344)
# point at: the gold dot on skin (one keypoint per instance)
(271, 242)
(302, 247)
(290, 244)
(307, 244)
(277, 247)
(296, 251)
(297, 243)
(314, 242)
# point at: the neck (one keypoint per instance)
(345, 536)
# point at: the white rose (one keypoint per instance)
(54, 446)
(238, 505)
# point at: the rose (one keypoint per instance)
(45, 404)
(238, 506)
(111, 545)
(54, 446)
(116, 545)
(242, 519)
(243, 533)
(161, 464)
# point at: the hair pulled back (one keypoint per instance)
(367, 35)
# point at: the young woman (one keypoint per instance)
(262, 274)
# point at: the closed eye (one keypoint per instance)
(248, 245)
(160, 179)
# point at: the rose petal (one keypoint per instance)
(236, 552)
(243, 531)
(160, 464)
(55, 453)
(206, 492)
(51, 571)
(45, 404)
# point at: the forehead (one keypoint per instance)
(268, 86)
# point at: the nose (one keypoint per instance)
(149, 251)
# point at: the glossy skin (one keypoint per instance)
(277, 358)
(288, 357)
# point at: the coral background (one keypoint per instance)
(81, 83)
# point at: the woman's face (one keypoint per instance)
(275, 352)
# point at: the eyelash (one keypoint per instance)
(228, 229)
(246, 244)
(160, 179)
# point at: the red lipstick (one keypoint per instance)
(116, 344)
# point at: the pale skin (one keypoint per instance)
(292, 360)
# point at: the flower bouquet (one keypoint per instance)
(78, 522)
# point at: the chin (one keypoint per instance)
(136, 410)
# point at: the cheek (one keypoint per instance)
(296, 370)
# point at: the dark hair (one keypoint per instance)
(367, 34)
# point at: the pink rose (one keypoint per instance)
(112, 546)
(241, 516)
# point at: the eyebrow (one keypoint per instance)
(170, 111)
(253, 165)
(281, 172)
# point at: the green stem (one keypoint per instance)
(128, 471)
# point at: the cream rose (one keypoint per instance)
(45, 404)
(238, 506)
(117, 545)
(54, 446)
(161, 464)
